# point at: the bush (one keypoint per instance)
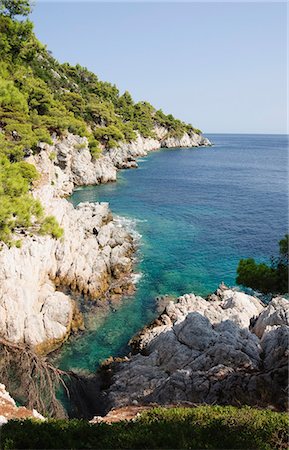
(52, 156)
(210, 427)
(51, 226)
(94, 148)
(267, 279)
(18, 209)
(11, 98)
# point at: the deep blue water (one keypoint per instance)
(199, 211)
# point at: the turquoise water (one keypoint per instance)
(198, 211)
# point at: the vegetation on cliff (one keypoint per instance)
(41, 98)
(271, 279)
(209, 427)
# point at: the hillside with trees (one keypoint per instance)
(40, 99)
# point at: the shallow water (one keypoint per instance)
(198, 211)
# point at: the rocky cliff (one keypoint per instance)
(125, 155)
(227, 349)
(94, 258)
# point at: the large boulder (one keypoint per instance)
(204, 351)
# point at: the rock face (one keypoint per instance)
(68, 163)
(125, 155)
(203, 351)
(94, 252)
(73, 164)
(9, 410)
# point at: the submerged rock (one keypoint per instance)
(203, 351)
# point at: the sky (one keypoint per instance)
(220, 66)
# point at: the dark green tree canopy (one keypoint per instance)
(283, 249)
(271, 279)
(14, 8)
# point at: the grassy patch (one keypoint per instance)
(204, 427)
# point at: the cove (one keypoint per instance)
(198, 211)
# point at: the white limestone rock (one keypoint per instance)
(125, 154)
(204, 351)
(10, 411)
(276, 314)
(32, 311)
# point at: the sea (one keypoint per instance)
(195, 212)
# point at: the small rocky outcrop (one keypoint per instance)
(205, 351)
(124, 156)
(9, 410)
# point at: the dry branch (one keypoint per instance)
(31, 378)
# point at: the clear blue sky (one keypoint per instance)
(220, 66)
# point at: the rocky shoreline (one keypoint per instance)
(228, 349)
(93, 259)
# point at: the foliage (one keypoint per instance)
(15, 7)
(39, 97)
(50, 226)
(52, 156)
(94, 148)
(176, 128)
(31, 378)
(109, 135)
(18, 209)
(267, 279)
(210, 427)
(51, 97)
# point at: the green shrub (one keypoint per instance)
(15, 7)
(11, 98)
(52, 156)
(51, 226)
(80, 146)
(267, 279)
(94, 148)
(210, 427)
(18, 209)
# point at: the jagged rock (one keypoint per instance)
(124, 155)
(203, 351)
(32, 311)
(277, 313)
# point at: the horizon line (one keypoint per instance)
(244, 132)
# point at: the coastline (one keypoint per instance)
(35, 275)
(97, 224)
(217, 350)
